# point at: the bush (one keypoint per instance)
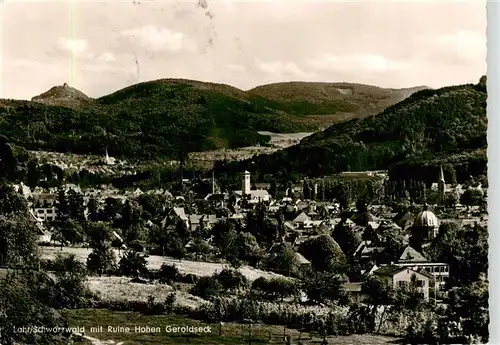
(333, 320)
(275, 288)
(151, 307)
(133, 264)
(231, 279)
(168, 274)
(207, 288)
(189, 278)
(169, 303)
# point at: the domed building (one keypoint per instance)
(426, 225)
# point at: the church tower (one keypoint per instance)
(245, 189)
(441, 186)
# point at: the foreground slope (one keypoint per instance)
(429, 124)
(162, 117)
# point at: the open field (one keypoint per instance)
(278, 141)
(155, 262)
(232, 333)
(122, 289)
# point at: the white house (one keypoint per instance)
(399, 277)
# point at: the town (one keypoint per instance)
(316, 244)
(246, 172)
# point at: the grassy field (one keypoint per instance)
(121, 289)
(232, 333)
(198, 268)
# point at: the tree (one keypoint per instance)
(176, 246)
(22, 303)
(283, 260)
(470, 303)
(93, 210)
(111, 208)
(133, 264)
(248, 249)
(273, 188)
(182, 230)
(275, 288)
(323, 287)
(259, 225)
(68, 230)
(324, 253)
(159, 237)
(63, 210)
(207, 288)
(8, 160)
(346, 238)
(10, 201)
(135, 235)
(76, 206)
(102, 259)
(343, 195)
(472, 197)
(306, 190)
(18, 242)
(168, 274)
(70, 277)
(450, 200)
(361, 206)
(33, 176)
(280, 217)
(200, 247)
(380, 293)
(151, 205)
(99, 233)
(229, 248)
(131, 214)
(465, 250)
(220, 231)
(450, 173)
(389, 236)
(231, 280)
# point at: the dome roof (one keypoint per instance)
(426, 219)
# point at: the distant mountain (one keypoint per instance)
(162, 117)
(64, 95)
(345, 100)
(444, 125)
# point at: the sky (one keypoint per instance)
(102, 46)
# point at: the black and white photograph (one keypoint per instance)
(243, 172)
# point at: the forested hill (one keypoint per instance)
(162, 117)
(346, 98)
(450, 123)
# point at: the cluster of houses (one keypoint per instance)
(105, 165)
(304, 219)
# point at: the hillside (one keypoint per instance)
(63, 95)
(162, 117)
(350, 99)
(446, 123)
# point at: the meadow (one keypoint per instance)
(231, 333)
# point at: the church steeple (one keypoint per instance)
(107, 156)
(107, 159)
(441, 186)
(441, 175)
